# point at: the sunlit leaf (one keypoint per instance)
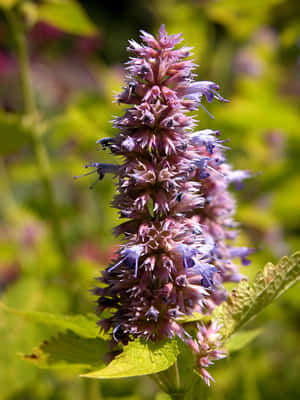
(139, 358)
(246, 301)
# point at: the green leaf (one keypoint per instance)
(195, 317)
(241, 339)
(13, 133)
(139, 358)
(85, 326)
(66, 15)
(68, 351)
(246, 301)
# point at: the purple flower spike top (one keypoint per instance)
(173, 191)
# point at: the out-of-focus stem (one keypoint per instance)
(177, 396)
(92, 390)
(8, 201)
(177, 375)
(35, 129)
(198, 389)
(170, 382)
(158, 382)
(21, 47)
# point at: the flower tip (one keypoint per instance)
(162, 29)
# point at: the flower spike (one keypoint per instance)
(173, 191)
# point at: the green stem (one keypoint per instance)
(36, 130)
(177, 375)
(92, 390)
(159, 382)
(177, 396)
(25, 79)
(9, 206)
(198, 389)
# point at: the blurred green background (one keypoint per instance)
(252, 49)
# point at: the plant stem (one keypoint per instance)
(9, 204)
(177, 375)
(92, 390)
(21, 47)
(158, 382)
(36, 130)
(198, 389)
(169, 382)
(177, 396)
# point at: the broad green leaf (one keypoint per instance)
(241, 339)
(85, 326)
(13, 133)
(139, 358)
(18, 335)
(67, 15)
(68, 351)
(246, 301)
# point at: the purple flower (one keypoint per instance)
(187, 253)
(206, 271)
(172, 189)
(208, 89)
(241, 252)
(207, 138)
(131, 257)
(237, 177)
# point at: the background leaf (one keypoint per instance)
(8, 3)
(139, 358)
(66, 15)
(13, 133)
(85, 326)
(241, 339)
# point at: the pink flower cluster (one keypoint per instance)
(206, 346)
